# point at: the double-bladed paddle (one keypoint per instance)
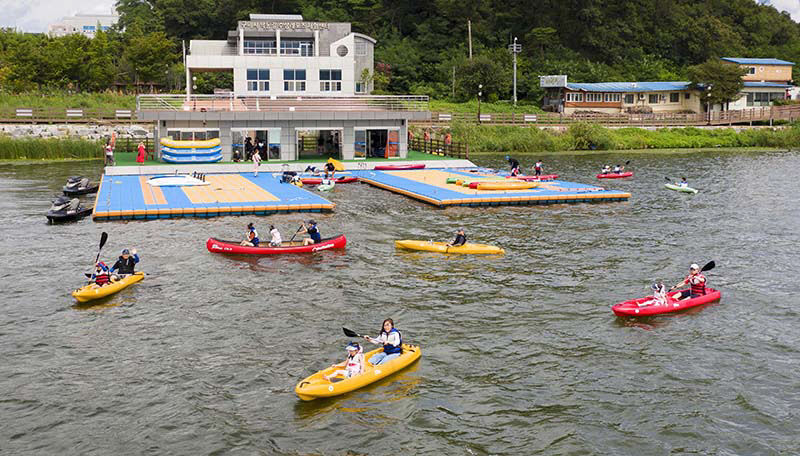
(350, 333)
(103, 239)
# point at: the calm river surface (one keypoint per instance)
(521, 353)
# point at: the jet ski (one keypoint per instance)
(79, 185)
(65, 209)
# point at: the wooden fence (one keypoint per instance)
(438, 147)
(132, 145)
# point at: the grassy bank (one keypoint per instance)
(472, 107)
(49, 149)
(595, 137)
(59, 101)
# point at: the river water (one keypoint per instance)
(521, 353)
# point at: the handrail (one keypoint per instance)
(230, 102)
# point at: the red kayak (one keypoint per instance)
(615, 175)
(535, 178)
(215, 245)
(318, 180)
(397, 167)
(632, 309)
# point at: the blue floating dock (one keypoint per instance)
(430, 186)
(127, 197)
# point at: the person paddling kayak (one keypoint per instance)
(126, 262)
(618, 169)
(392, 343)
(606, 169)
(312, 230)
(353, 365)
(696, 281)
(683, 183)
(251, 237)
(460, 239)
(514, 163)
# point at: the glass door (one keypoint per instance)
(361, 144)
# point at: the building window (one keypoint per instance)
(751, 70)
(297, 47)
(628, 98)
(330, 80)
(687, 95)
(266, 47)
(88, 28)
(257, 80)
(341, 51)
(361, 87)
(594, 97)
(613, 97)
(575, 96)
(294, 80)
(361, 48)
(652, 98)
(674, 97)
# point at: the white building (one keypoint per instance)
(276, 54)
(85, 24)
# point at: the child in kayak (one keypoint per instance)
(460, 239)
(251, 237)
(696, 281)
(276, 237)
(101, 275)
(659, 295)
(353, 365)
(125, 263)
(392, 343)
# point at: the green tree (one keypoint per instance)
(101, 69)
(541, 38)
(147, 57)
(720, 82)
(491, 70)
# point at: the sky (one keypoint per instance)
(35, 15)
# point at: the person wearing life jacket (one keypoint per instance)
(538, 167)
(251, 237)
(392, 343)
(606, 169)
(617, 169)
(312, 230)
(460, 239)
(696, 281)
(514, 164)
(276, 240)
(683, 183)
(353, 365)
(126, 262)
(101, 276)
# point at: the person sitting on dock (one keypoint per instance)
(125, 263)
(330, 168)
(251, 239)
(538, 167)
(514, 163)
(312, 230)
(276, 237)
(460, 239)
(606, 169)
(683, 183)
(391, 340)
(353, 365)
(101, 276)
(696, 281)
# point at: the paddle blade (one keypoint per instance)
(709, 266)
(103, 239)
(668, 179)
(626, 163)
(350, 333)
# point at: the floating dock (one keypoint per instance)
(430, 186)
(127, 197)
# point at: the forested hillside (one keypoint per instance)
(421, 42)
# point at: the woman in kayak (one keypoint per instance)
(460, 239)
(276, 237)
(251, 237)
(125, 263)
(312, 230)
(353, 365)
(514, 163)
(392, 343)
(696, 281)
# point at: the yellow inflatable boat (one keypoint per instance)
(91, 292)
(442, 247)
(178, 144)
(508, 185)
(315, 386)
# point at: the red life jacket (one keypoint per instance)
(698, 287)
(102, 279)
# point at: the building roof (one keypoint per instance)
(275, 17)
(766, 84)
(669, 86)
(747, 61)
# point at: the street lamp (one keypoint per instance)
(708, 102)
(515, 49)
(480, 92)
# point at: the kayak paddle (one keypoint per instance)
(709, 266)
(103, 239)
(350, 333)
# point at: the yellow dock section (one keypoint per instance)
(227, 188)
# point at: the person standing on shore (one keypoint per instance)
(142, 153)
(256, 162)
(109, 154)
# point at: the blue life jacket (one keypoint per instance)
(314, 233)
(391, 349)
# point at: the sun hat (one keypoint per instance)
(694, 266)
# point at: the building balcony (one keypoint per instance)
(277, 104)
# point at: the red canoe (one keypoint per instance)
(397, 167)
(215, 245)
(632, 309)
(535, 178)
(318, 180)
(615, 175)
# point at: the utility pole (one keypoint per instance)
(469, 34)
(454, 83)
(515, 49)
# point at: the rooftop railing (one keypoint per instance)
(230, 102)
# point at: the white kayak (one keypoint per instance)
(678, 188)
(175, 181)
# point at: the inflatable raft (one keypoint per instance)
(442, 247)
(176, 151)
(215, 245)
(644, 307)
(678, 188)
(315, 386)
(397, 167)
(543, 177)
(615, 175)
(506, 185)
(91, 292)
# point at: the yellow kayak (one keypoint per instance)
(337, 165)
(442, 247)
(91, 292)
(315, 386)
(508, 185)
